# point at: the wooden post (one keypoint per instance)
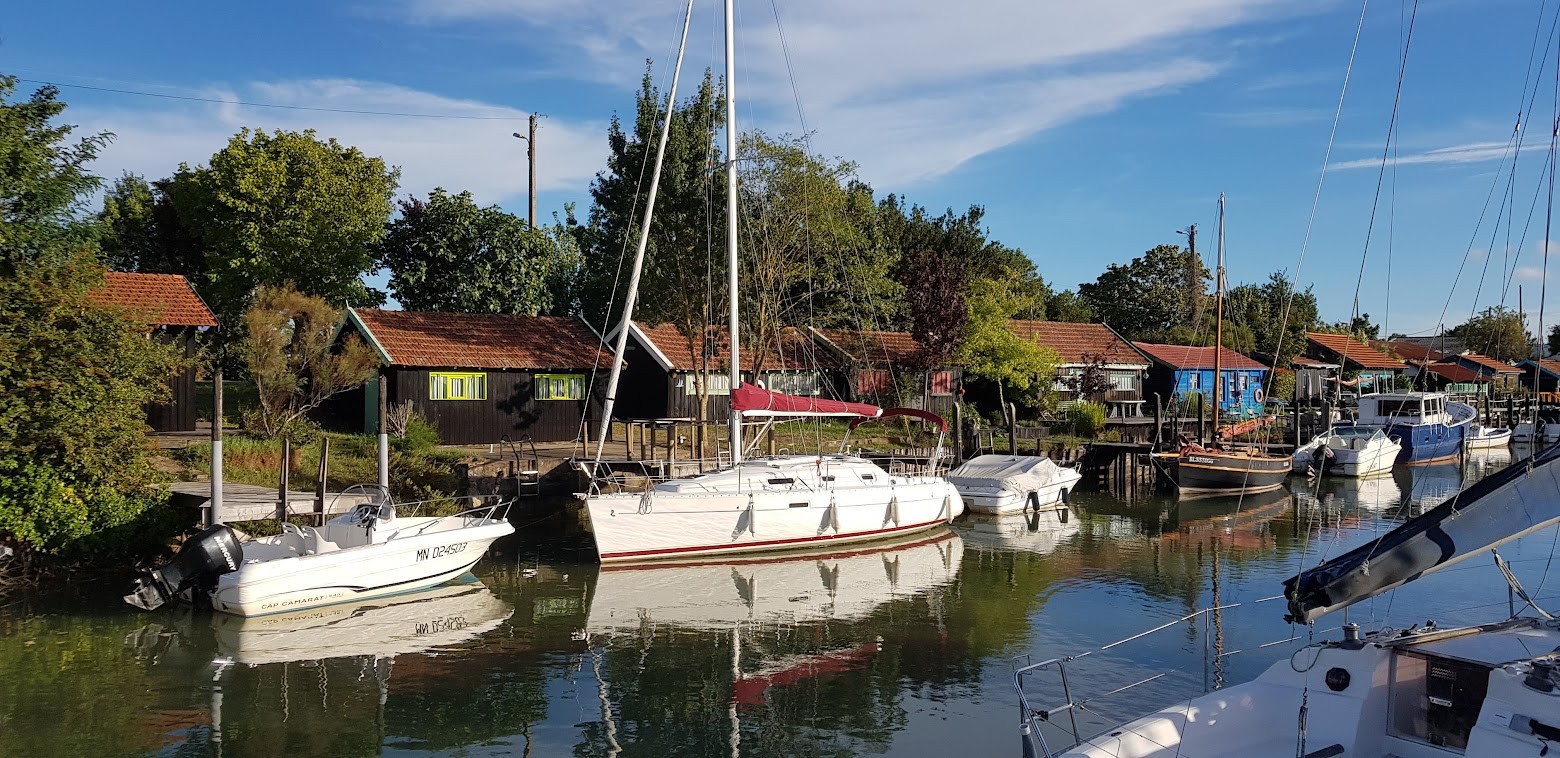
(1012, 419)
(214, 508)
(281, 490)
(1295, 416)
(671, 445)
(1201, 430)
(958, 434)
(1159, 429)
(319, 484)
(628, 443)
(384, 435)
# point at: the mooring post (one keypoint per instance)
(384, 435)
(1201, 432)
(958, 434)
(214, 508)
(1159, 420)
(281, 490)
(319, 484)
(1295, 421)
(1012, 419)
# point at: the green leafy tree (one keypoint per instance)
(292, 361)
(503, 265)
(1260, 308)
(43, 176)
(1358, 327)
(934, 291)
(1554, 339)
(1147, 297)
(140, 231)
(1497, 331)
(992, 351)
(284, 207)
(1068, 306)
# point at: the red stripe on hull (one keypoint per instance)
(746, 546)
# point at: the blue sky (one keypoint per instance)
(1089, 131)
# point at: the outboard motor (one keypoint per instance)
(210, 554)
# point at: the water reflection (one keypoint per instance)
(901, 649)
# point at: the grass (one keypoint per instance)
(237, 397)
(354, 459)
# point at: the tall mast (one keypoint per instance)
(621, 345)
(731, 228)
(1218, 323)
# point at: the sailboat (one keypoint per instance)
(764, 503)
(1218, 471)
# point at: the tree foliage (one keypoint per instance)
(1147, 297)
(1498, 332)
(292, 362)
(43, 176)
(448, 254)
(1261, 309)
(934, 290)
(1092, 380)
(138, 230)
(279, 207)
(993, 351)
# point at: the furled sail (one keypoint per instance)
(1498, 509)
(757, 401)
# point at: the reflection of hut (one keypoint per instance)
(174, 314)
(476, 377)
(879, 367)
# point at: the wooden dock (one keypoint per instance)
(250, 502)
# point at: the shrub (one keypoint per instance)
(81, 522)
(420, 435)
(1086, 418)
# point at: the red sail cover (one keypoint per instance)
(758, 401)
(888, 413)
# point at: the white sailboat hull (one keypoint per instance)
(742, 512)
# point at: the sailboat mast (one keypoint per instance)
(1218, 324)
(731, 228)
(620, 347)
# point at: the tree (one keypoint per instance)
(43, 177)
(1067, 306)
(1554, 339)
(1261, 308)
(284, 207)
(292, 361)
(503, 265)
(1359, 327)
(1147, 297)
(934, 292)
(1092, 380)
(992, 351)
(138, 230)
(1498, 332)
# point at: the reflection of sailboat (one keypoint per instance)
(410, 623)
(1033, 532)
(789, 589)
(1226, 512)
(1482, 463)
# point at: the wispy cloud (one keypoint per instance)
(1473, 152)
(476, 155)
(1273, 117)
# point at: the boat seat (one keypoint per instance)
(315, 543)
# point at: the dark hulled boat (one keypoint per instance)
(1228, 472)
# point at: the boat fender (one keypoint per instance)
(947, 510)
(203, 558)
(834, 514)
(1066, 496)
(1033, 501)
(893, 510)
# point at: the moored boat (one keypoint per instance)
(1352, 451)
(1481, 437)
(1203, 471)
(1013, 483)
(1427, 425)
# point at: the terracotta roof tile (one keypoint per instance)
(1185, 356)
(1073, 342)
(1549, 365)
(160, 299)
(796, 351)
(483, 340)
(1453, 372)
(875, 348)
(1499, 367)
(1358, 353)
(1408, 351)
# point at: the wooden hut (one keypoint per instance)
(174, 314)
(1080, 346)
(879, 367)
(1374, 369)
(477, 377)
(1179, 370)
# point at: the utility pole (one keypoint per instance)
(530, 156)
(1194, 288)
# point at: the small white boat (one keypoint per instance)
(1013, 483)
(367, 553)
(1524, 432)
(1350, 451)
(1482, 437)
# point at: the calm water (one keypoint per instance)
(901, 650)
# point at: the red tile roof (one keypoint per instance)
(1499, 367)
(1549, 366)
(1408, 351)
(482, 340)
(160, 299)
(1073, 342)
(1358, 353)
(795, 352)
(1184, 356)
(1455, 373)
(874, 348)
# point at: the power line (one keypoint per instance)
(191, 98)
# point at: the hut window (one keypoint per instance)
(874, 381)
(1123, 381)
(560, 387)
(942, 382)
(1194, 380)
(449, 385)
(719, 384)
(792, 384)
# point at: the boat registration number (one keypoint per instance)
(1200, 459)
(440, 551)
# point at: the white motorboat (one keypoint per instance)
(367, 553)
(1481, 437)
(1351, 451)
(1483, 690)
(764, 504)
(389, 626)
(1013, 483)
(1527, 431)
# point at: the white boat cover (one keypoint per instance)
(1019, 473)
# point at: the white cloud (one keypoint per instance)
(475, 155)
(1473, 152)
(910, 89)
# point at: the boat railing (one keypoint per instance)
(490, 509)
(1031, 719)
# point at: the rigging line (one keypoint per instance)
(1525, 117)
(1316, 198)
(1397, 99)
(278, 106)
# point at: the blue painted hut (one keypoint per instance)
(1179, 370)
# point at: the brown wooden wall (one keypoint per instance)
(178, 414)
(509, 409)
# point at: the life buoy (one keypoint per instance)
(1257, 395)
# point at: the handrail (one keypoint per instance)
(1030, 718)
